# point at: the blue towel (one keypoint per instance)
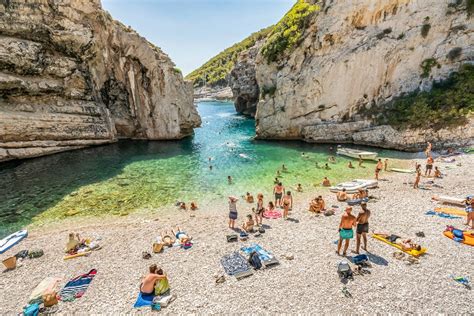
(262, 253)
(443, 215)
(144, 300)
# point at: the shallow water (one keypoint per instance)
(134, 175)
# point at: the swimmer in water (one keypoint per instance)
(283, 168)
(229, 179)
(349, 165)
(326, 166)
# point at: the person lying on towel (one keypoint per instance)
(406, 244)
(181, 236)
(154, 277)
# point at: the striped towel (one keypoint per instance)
(76, 287)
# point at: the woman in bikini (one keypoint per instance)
(287, 204)
(259, 210)
(167, 239)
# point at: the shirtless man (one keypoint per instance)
(418, 176)
(428, 149)
(148, 284)
(378, 168)
(326, 182)
(342, 195)
(278, 191)
(385, 165)
(360, 161)
(345, 230)
(321, 204)
(429, 166)
(362, 227)
(349, 165)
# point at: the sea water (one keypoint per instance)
(127, 176)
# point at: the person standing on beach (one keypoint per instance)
(287, 204)
(345, 230)
(428, 149)
(362, 227)
(429, 166)
(385, 168)
(360, 161)
(378, 168)
(259, 210)
(278, 191)
(470, 211)
(418, 176)
(232, 211)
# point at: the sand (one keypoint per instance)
(307, 284)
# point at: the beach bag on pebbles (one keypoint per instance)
(344, 270)
(255, 261)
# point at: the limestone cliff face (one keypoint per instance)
(243, 82)
(357, 56)
(71, 76)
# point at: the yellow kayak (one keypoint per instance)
(412, 252)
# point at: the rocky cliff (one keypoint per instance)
(338, 74)
(71, 76)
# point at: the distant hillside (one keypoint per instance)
(215, 71)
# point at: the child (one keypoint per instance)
(259, 210)
(248, 225)
(249, 197)
(299, 188)
(194, 206)
(232, 211)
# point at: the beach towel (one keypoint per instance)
(272, 214)
(46, 286)
(450, 210)
(144, 300)
(412, 252)
(76, 287)
(443, 215)
(234, 264)
(266, 257)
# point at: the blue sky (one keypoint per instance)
(193, 31)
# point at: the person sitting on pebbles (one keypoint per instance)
(183, 206)
(342, 195)
(155, 275)
(437, 173)
(194, 206)
(315, 206)
(166, 238)
(247, 226)
(349, 165)
(326, 182)
(74, 243)
(299, 188)
(249, 198)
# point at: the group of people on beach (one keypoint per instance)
(428, 167)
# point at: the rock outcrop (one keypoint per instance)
(242, 80)
(356, 57)
(71, 76)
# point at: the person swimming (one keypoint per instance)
(326, 182)
(326, 166)
(229, 179)
(283, 168)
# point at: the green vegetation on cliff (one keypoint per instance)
(449, 103)
(288, 32)
(215, 71)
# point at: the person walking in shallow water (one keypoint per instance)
(345, 230)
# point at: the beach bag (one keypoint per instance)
(232, 238)
(35, 253)
(255, 261)
(157, 247)
(10, 263)
(50, 299)
(22, 254)
(344, 269)
(162, 286)
(360, 259)
(31, 310)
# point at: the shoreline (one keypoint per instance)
(300, 285)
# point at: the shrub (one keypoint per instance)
(177, 70)
(427, 65)
(288, 32)
(214, 72)
(470, 7)
(454, 53)
(425, 29)
(268, 91)
(449, 103)
(401, 36)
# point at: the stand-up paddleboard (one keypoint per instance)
(402, 170)
(449, 200)
(10, 241)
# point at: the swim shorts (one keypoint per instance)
(362, 228)
(346, 233)
(278, 196)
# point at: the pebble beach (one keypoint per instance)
(305, 281)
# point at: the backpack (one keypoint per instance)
(255, 261)
(344, 269)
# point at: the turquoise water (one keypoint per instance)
(135, 175)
